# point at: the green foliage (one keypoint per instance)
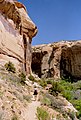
(66, 85)
(49, 81)
(77, 105)
(67, 94)
(46, 101)
(31, 77)
(43, 83)
(22, 77)
(71, 91)
(56, 87)
(67, 88)
(42, 114)
(67, 79)
(77, 85)
(10, 67)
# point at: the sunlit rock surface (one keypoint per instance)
(62, 59)
(16, 32)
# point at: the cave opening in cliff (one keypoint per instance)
(66, 69)
(25, 47)
(36, 64)
(36, 68)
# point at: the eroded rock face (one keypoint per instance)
(49, 60)
(71, 60)
(58, 59)
(16, 32)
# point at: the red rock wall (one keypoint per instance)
(62, 59)
(16, 33)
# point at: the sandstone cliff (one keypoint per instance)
(16, 32)
(58, 60)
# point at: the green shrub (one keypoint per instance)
(46, 101)
(67, 79)
(77, 85)
(66, 85)
(71, 91)
(22, 77)
(77, 105)
(31, 77)
(56, 87)
(27, 97)
(43, 83)
(67, 94)
(10, 67)
(49, 81)
(42, 114)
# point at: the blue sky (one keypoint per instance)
(56, 19)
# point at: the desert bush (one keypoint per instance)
(18, 96)
(22, 77)
(67, 94)
(77, 85)
(31, 77)
(71, 91)
(77, 105)
(46, 101)
(42, 114)
(43, 83)
(10, 67)
(55, 103)
(49, 81)
(66, 85)
(76, 94)
(27, 97)
(56, 87)
(67, 79)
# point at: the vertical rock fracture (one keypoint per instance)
(16, 33)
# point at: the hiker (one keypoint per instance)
(35, 93)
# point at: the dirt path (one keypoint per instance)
(31, 110)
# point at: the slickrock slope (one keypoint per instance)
(16, 32)
(14, 98)
(58, 59)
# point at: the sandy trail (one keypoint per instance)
(31, 110)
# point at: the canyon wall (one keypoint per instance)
(16, 33)
(62, 59)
